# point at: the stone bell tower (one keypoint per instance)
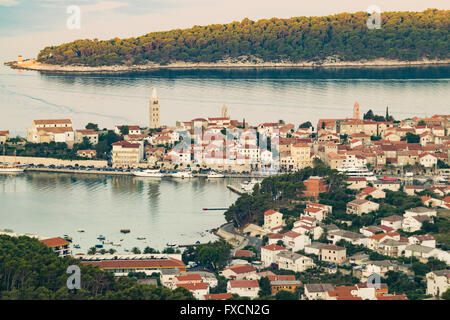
(154, 110)
(224, 111)
(356, 111)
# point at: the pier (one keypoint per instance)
(235, 189)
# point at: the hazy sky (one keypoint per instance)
(26, 26)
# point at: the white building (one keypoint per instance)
(295, 241)
(244, 288)
(91, 135)
(272, 220)
(288, 260)
(55, 130)
(427, 160)
(438, 282)
(269, 254)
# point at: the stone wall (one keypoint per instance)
(52, 161)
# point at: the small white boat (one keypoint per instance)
(141, 238)
(214, 174)
(182, 174)
(149, 173)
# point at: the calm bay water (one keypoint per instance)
(295, 95)
(165, 210)
(170, 211)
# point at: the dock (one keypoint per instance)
(235, 189)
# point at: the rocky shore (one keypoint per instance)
(32, 64)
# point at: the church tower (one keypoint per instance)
(224, 111)
(154, 109)
(356, 111)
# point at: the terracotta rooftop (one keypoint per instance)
(55, 242)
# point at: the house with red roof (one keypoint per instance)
(295, 241)
(244, 288)
(431, 202)
(186, 279)
(272, 220)
(198, 290)
(274, 238)
(373, 242)
(239, 272)
(59, 245)
(316, 213)
(269, 254)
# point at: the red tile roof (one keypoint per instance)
(189, 277)
(218, 296)
(241, 268)
(243, 253)
(194, 286)
(273, 247)
(244, 283)
(132, 264)
(55, 242)
(269, 212)
(126, 144)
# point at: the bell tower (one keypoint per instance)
(224, 111)
(154, 110)
(356, 111)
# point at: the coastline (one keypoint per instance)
(32, 64)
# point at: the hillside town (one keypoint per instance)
(391, 231)
(383, 145)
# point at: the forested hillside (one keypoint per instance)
(345, 37)
(31, 271)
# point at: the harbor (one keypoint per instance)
(84, 206)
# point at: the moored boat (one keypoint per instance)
(6, 168)
(214, 174)
(149, 173)
(182, 174)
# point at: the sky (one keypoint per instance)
(27, 26)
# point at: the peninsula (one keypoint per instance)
(404, 38)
